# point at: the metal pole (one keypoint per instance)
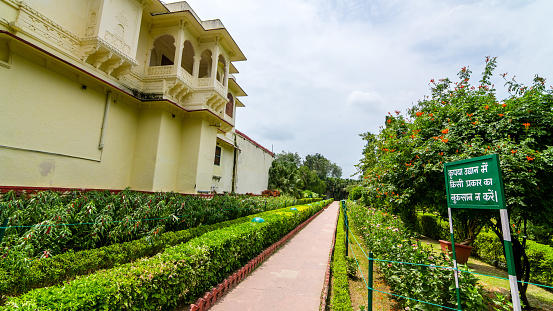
(370, 289)
(510, 259)
(455, 270)
(346, 224)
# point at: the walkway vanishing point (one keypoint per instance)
(293, 278)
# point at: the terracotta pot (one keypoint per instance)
(462, 252)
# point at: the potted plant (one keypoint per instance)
(462, 252)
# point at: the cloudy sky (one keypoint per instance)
(321, 72)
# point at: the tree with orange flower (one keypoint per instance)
(458, 122)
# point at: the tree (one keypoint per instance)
(318, 164)
(311, 181)
(293, 157)
(335, 171)
(285, 176)
(403, 164)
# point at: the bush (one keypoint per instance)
(340, 287)
(66, 266)
(386, 236)
(356, 193)
(180, 274)
(432, 226)
(488, 247)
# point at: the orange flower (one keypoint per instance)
(445, 140)
(441, 153)
(513, 151)
(389, 121)
(526, 125)
(487, 107)
(529, 158)
(504, 105)
(500, 114)
(418, 114)
(445, 131)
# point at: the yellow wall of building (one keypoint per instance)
(68, 14)
(51, 130)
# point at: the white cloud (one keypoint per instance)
(320, 72)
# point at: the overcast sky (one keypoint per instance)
(321, 72)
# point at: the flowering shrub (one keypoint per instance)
(39, 222)
(385, 235)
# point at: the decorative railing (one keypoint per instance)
(160, 70)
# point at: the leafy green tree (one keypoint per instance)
(285, 176)
(311, 181)
(293, 157)
(403, 164)
(335, 171)
(318, 164)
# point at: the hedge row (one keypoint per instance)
(340, 299)
(180, 274)
(488, 247)
(65, 267)
(50, 223)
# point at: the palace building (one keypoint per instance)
(112, 94)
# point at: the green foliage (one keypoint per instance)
(540, 256)
(386, 236)
(50, 223)
(433, 226)
(339, 188)
(356, 193)
(64, 267)
(488, 247)
(311, 180)
(180, 274)
(340, 287)
(404, 162)
(285, 176)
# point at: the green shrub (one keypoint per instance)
(66, 266)
(432, 226)
(356, 193)
(340, 287)
(488, 247)
(180, 274)
(388, 239)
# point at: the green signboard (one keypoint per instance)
(475, 183)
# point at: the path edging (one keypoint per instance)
(326, 287)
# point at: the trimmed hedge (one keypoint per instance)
(488, 247)
(64, 267)
(180, 274)
(340, 299)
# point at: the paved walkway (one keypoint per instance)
(293, 277)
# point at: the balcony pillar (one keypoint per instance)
(225, 79)
(196, 68)
(215, 59)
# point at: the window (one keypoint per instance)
(217, 155)
(229, 109)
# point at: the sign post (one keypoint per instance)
(477, 183)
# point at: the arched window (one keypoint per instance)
(230, 105)
(205, 65)
(187, 62)
(163, 53)
(221, 68)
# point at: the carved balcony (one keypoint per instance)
(110, 58)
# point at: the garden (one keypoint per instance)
(132, 250)
(401, 198)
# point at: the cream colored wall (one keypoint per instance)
(168, 152)
(224, 184)
(68, 14)
(145, 152)
(50, 120)
(252, 171)
(196, 156)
